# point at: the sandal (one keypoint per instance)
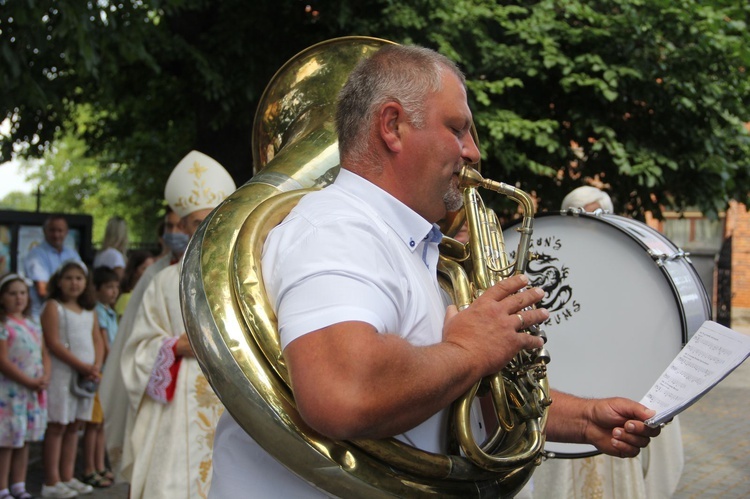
(107, 473)
(96, 480)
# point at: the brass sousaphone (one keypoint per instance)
(232, 328)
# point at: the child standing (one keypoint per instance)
(71, 333)
(95, 472)
(24, 374)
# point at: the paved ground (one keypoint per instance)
(715, 432)
(716, 438)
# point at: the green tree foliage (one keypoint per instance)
(18, 201)
(163, 77)
(646, 96)
(72, 182)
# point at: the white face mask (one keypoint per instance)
(177, 242)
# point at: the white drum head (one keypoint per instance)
(615, 319)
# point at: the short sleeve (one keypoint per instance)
(101, 315)
(35, 270)
(3, 332)
(326, 282)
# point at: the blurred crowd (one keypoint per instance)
(90, 357)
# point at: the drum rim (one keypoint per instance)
(690, 267)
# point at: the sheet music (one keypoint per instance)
(710, 355)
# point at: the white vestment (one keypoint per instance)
(117, 413)
(167, 453)
(654, 474)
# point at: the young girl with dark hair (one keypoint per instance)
(71, 333)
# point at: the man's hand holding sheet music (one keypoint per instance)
(710, 355)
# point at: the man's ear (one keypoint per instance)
(391, 125)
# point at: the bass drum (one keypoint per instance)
(623, 300)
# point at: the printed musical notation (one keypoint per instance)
(710, 355)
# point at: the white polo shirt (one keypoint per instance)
(350, 252)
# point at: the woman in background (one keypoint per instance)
(114, 247)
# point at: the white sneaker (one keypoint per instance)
(58, 490)
(78, 486)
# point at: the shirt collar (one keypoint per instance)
(410, 227)
(51, 248)
(106, 308)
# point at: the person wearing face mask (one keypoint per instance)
(175, 240)
(167, 448)
(114, 402)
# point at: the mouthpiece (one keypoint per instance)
(469, 177)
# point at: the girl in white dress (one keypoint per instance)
(71, 333)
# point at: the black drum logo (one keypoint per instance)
(550, 274)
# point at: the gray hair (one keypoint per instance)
(395, 73)
(581, 196)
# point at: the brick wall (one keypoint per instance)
(738, 226)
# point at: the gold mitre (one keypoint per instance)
(196, 183)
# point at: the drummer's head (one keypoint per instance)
(588, 198)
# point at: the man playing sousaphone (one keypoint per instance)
(351, 272)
